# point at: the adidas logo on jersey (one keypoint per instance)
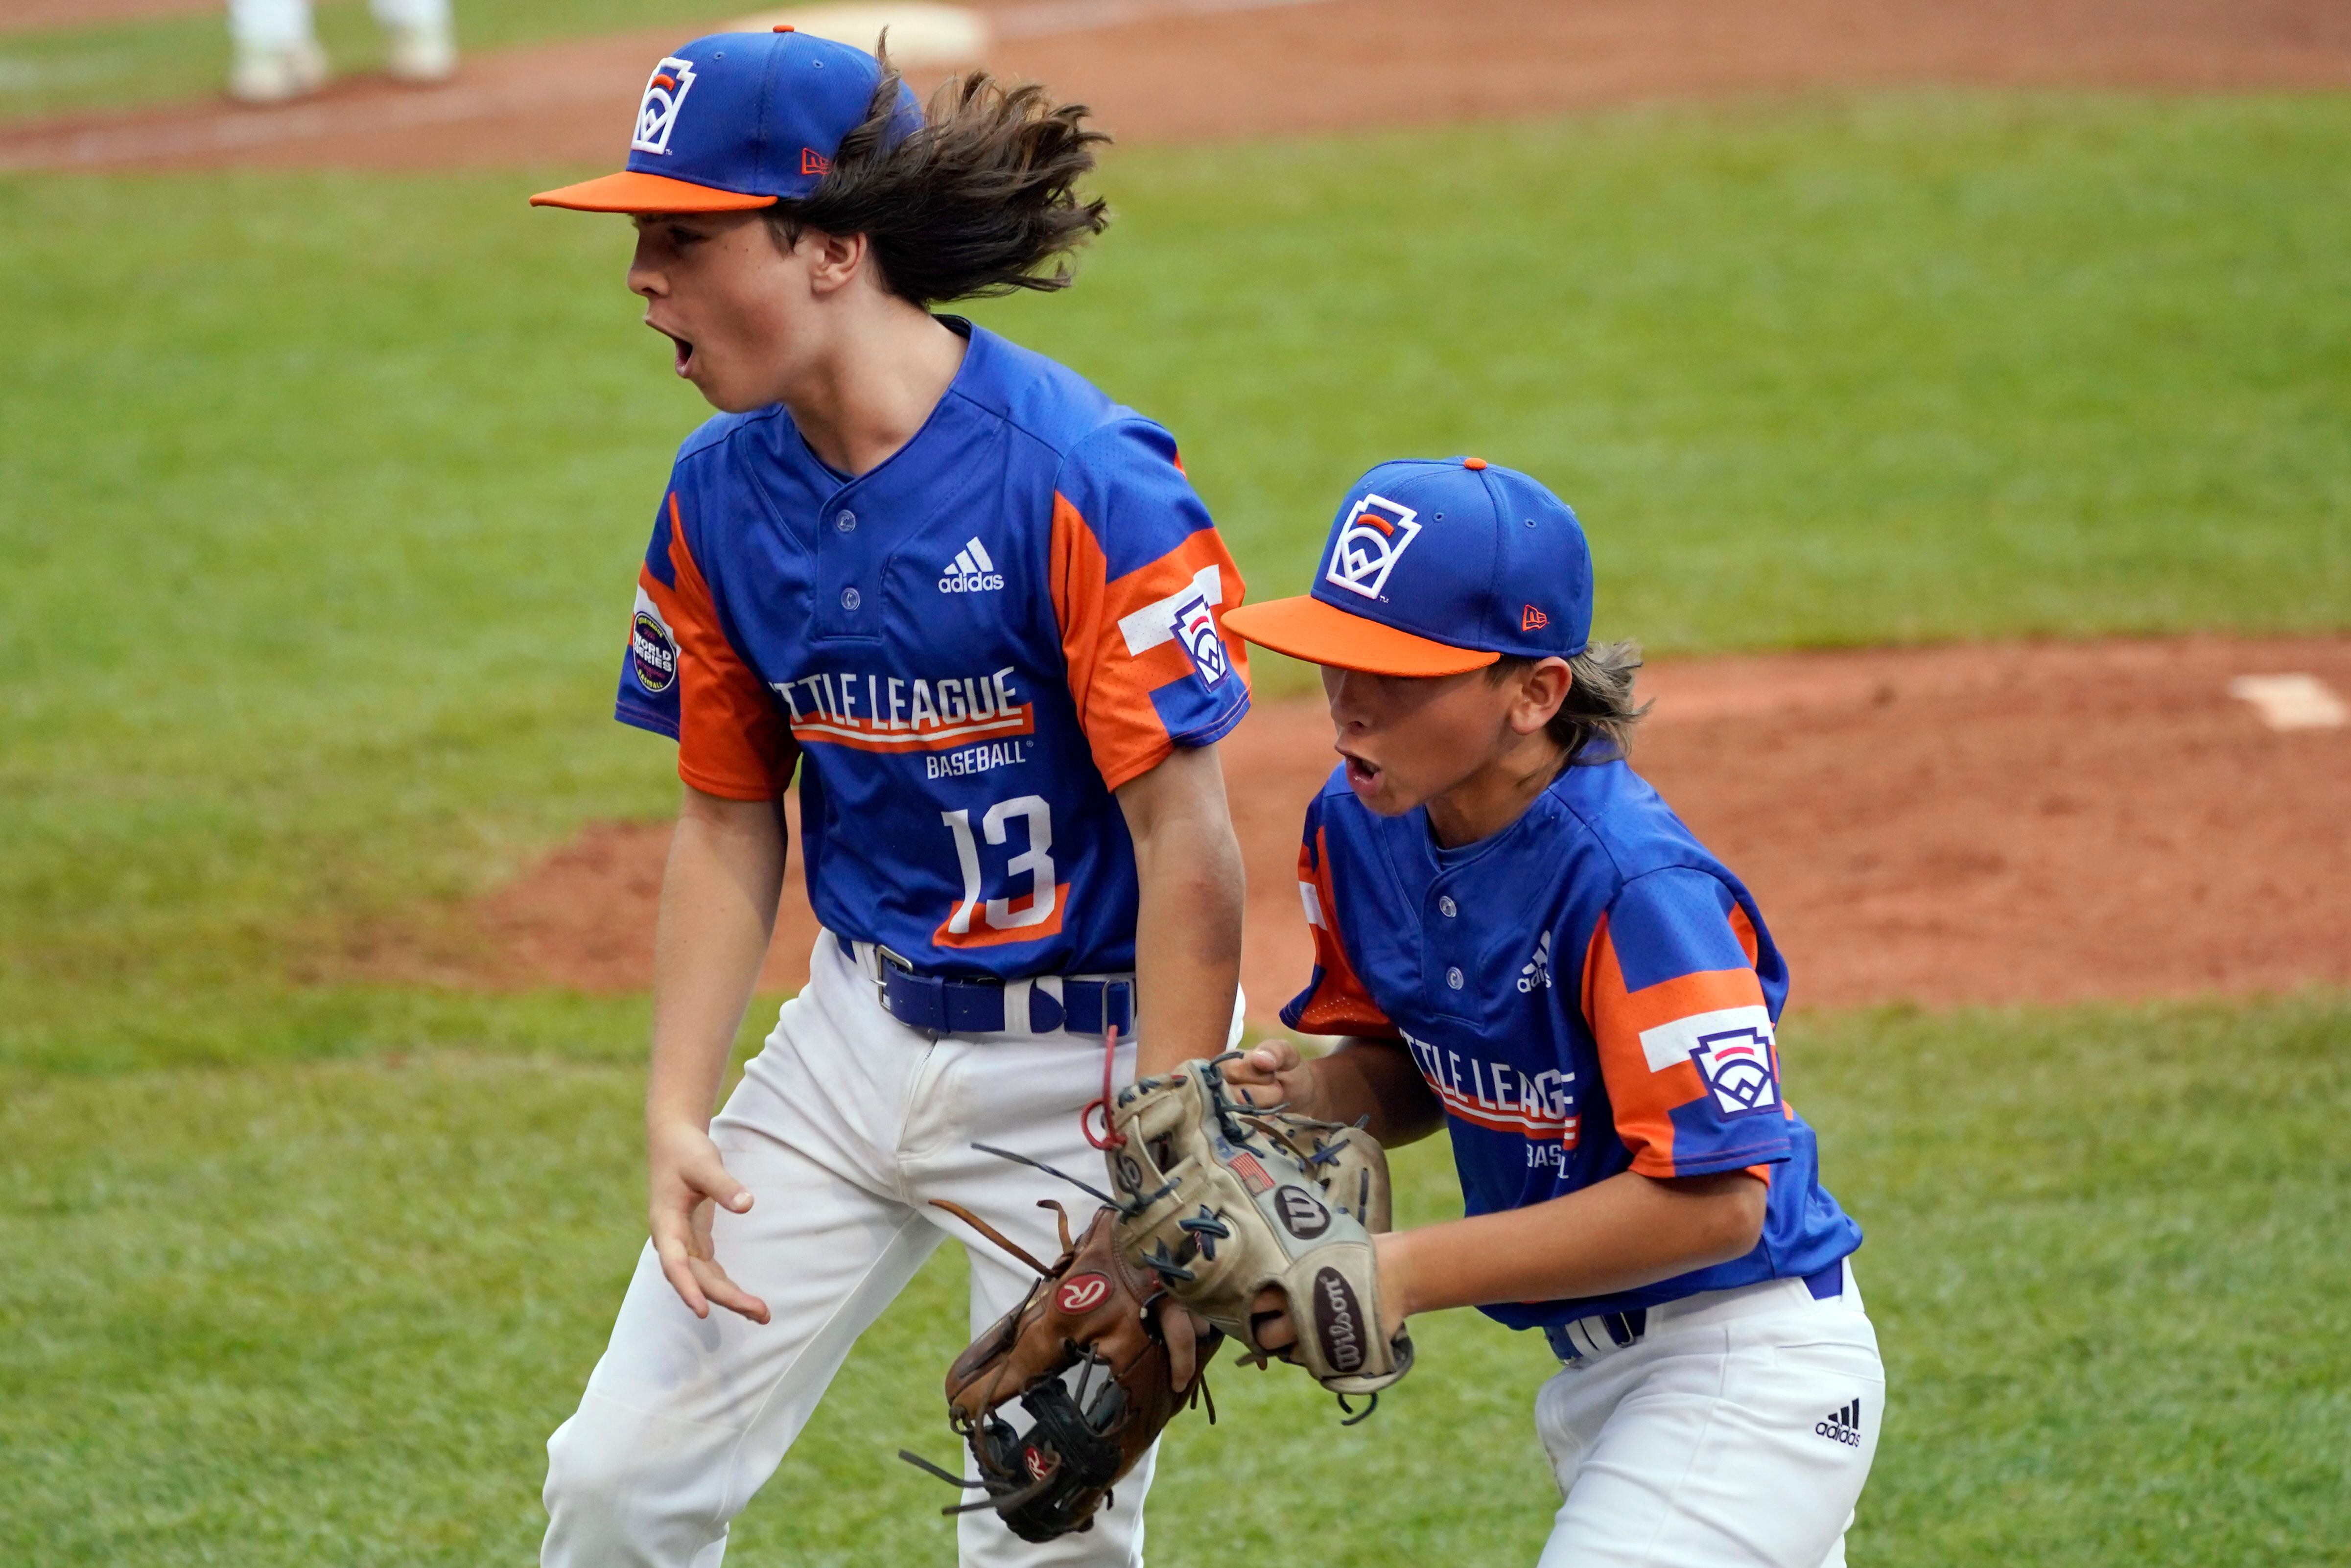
(1841, 1426)
(971, 572)
(1536, 976)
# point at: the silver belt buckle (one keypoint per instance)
(884, 960)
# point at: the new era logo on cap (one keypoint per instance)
(665, 96)
(1370, 543)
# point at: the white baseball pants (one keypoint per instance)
(1737, 1434)
(844, 1127)
(282, 24)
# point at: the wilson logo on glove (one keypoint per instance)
(1338, 1321)
(1234, 1208)
(1303, 1213)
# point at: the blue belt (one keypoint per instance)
(1628, 1328)
(943, 1006)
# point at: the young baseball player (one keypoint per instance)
(1525, 944)
(279, 57)
(975, 605)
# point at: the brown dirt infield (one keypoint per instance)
(1952, 826)
(1160, 70)
(1978, 824)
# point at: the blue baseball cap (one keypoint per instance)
(739, 121)
(1434, 566)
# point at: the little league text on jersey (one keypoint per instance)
(1500, 1096)
(899, 714)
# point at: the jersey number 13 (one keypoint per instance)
(1031, 904)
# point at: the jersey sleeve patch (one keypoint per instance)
(1335, 1000)
(1687, 1045)
(1141, 582)
(681, 677)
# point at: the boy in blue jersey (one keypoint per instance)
(1522, 942)
(971, 602)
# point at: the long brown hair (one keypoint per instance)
(1599, 704)
(977, 201)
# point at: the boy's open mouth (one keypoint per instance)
(1362, 774)
(684, 354)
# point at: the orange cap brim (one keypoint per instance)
(1323, 634)
(630, 191)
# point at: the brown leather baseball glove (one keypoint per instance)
(1099, 1357)
(1233, 1206)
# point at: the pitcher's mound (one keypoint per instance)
(2007, 823)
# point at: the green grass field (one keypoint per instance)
(324, 499)
(325, 493)
(327, 1313)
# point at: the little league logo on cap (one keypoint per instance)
(1504, 571)
(1371, 540)
(665, 96)
(769, 112)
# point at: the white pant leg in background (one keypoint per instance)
(844, 1128)
(410, 12)
(282, 24)
(260, 25)
(1714, 1443)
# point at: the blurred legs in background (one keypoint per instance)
(279, 57)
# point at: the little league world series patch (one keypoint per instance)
(653, 650)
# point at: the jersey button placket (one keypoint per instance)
(1445, 944)
(844, 569)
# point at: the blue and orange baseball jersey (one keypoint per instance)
(1588, 992)
(964, 653)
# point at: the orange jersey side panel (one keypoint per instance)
(732, 740)
(1645, 1093)
(1337, 1002)
(1116, 636)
